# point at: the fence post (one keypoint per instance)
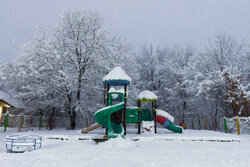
(6, 122)
(206, 124)
(21, 123)
(47, 123)
(184, 125)
(225, 124)
(214, 124)
(199, 124)
(40, 122)
(30, 121)
(87, 122)
(54, 123)
(192, 123)
(238, 126)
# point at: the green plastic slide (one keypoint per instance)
(174, 128)
(103, 117)
(170, 126)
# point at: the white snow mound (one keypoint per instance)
(165, 114)
(146, 94)
(117, 74)
(119, 142)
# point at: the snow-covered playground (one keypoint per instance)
(72, 148)
(125, 84)
(126, 136)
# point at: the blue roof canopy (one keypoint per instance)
(119, 82)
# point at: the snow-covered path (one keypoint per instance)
(150, 150)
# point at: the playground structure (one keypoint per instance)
(115, 116)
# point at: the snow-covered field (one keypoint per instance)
(191, 149)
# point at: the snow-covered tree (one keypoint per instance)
(39, 81)
(181, 73)
(191, 82)
(221, 54)
(64, 69)
(165, 71)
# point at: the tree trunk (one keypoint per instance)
(72, 114)
(73, 120)
(79, 88)
(215, 115)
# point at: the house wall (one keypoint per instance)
(3, 107)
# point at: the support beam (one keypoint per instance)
(104, 94)
(124, 111)
(154, 115)
(108, 87)
(139, 116)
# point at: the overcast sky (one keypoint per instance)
(139, 22)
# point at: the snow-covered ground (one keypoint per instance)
(190, 149)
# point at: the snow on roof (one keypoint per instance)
(165, 114)
(9, 99)
(148, 95)
(117, 74)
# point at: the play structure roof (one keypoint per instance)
(147, 96)
(117, 77)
